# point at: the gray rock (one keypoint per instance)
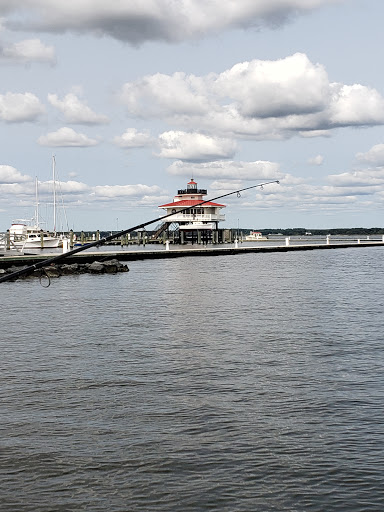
(95, 268)
(52, 271)
(111, 266)
(15, 268)
(72, 268)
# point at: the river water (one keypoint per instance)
(241, 383)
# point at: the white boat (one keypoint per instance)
(255, 236)
(25, 236)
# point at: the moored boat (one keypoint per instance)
(26, 236)
(255, 236)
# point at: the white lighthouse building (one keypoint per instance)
(200, 222)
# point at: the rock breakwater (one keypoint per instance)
(112, 266)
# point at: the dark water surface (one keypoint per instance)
(230, 383)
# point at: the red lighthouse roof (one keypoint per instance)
(184, 203)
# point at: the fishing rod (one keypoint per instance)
(102, 241)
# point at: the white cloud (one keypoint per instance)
(165, 95)
(309, 134)
(227, 170)
(293, 194)
(111, 191)
(66, 137)
(64, 187)
(131, 138)
(75, 193)
(256, 99)
(356, 105)
(365, 178)
(374, 156)
(29, 50)
(275, 88)
(9, 174)
(194, 146)
(75, 111)
(17, 107)
(226, 185)
(316, 160)
(305, 197)
(154, 20)
(18, 190)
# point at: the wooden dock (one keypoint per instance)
(7, 261)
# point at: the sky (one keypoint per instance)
(134, 98)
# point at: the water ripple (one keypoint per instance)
(242, 383)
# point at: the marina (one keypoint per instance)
(189, 218)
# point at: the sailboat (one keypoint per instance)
(29, 235)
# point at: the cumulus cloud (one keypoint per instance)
(29, 50)
(308, 198)
(194, 146)
(66, 137)
(165, 95)
(9, 174)
(131, 138)
(16, 190)
(152, 20)
(275, 88)
(65, 187)
(227, 170)
(74, 192)
(309, 134)
(111, 191)
(374, 156)
(356, 105)
(257, 99)
(75, 111)
(316, 160)
(17, 107)
(364, 178)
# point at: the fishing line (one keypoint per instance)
(43, 274)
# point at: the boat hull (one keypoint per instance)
(24, 236)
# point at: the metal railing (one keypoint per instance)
(7, 244)
(192, 191)
(197, 217)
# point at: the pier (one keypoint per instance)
(89, 256)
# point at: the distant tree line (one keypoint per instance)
(333, 231)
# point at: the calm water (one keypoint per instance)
(230, 383)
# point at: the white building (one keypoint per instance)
(199, 221)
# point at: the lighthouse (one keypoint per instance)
(200, 222)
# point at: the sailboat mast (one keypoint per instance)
(37, 201)
(54, 192)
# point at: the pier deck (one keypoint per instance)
(89, 256)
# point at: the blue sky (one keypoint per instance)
(135, 98)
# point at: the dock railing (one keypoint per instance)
(6, 244)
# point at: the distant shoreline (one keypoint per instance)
(323, 231)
